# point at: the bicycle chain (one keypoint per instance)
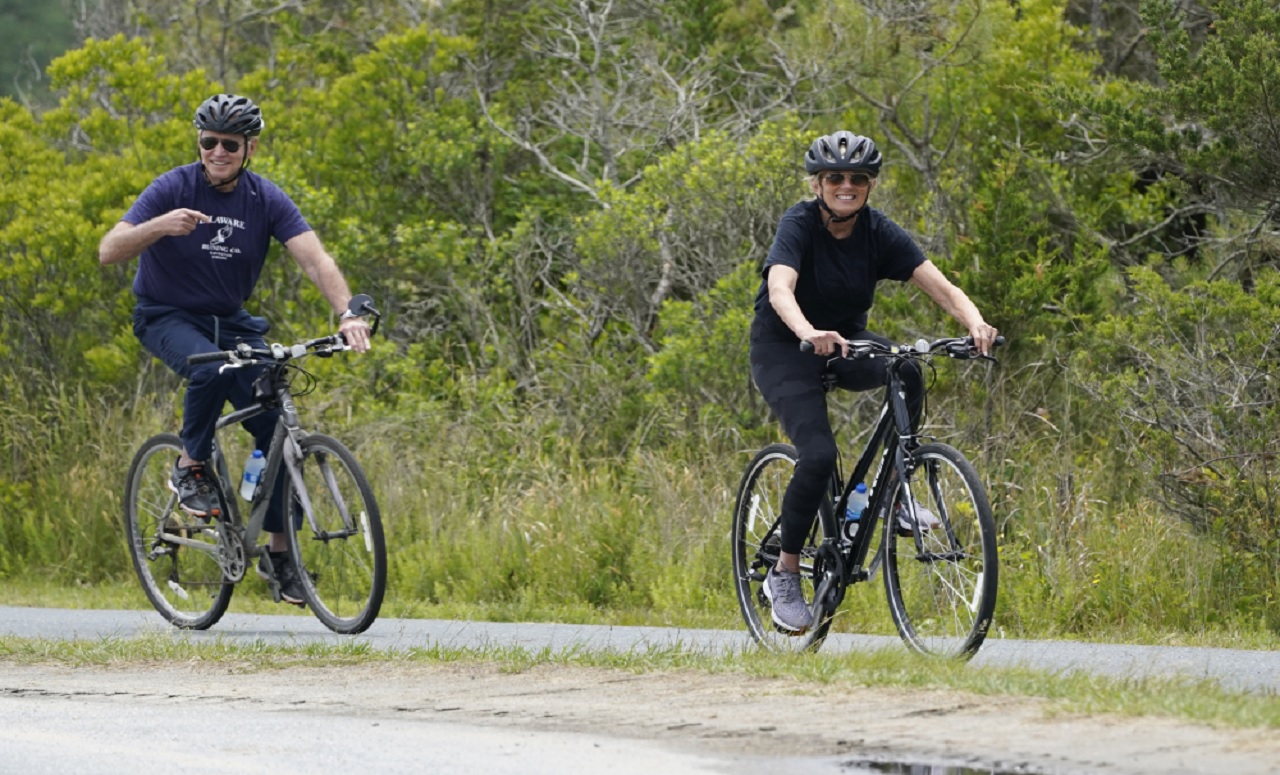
(829, 566)
(231, 554)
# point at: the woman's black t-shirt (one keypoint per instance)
(837, 278)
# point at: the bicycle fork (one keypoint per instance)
(293, 458)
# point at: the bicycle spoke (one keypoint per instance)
(183, 581)
(756, 547)
(941, 580)
(340, 547)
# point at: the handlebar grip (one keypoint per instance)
(806, 346)
(214, 357)
(999, 340)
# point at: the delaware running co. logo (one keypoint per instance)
(217, 247)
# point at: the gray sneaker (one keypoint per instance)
(193, 491)
(283, 572)
(928, 521)
(790, 612)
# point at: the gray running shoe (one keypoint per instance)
(928, 521)
(790, 612)
(193, 491)
(284, 574)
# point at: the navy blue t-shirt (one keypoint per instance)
(837, 277)
(212, 270)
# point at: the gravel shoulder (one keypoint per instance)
(725, 715)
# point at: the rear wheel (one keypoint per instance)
(183, 581)
(756, 544)
(941, 581)
(340, 554)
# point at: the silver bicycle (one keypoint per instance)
(189, 565)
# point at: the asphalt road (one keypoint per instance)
(1238, 670)
(164, 717)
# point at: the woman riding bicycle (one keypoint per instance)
(818, 283)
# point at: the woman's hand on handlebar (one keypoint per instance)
(827, 343)
(984, 337)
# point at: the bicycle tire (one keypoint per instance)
(755, 540)
(185, 585)
(342, 561)
(942, 592)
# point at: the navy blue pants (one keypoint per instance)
(791, 383)
(172, 334)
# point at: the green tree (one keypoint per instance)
(60, 194)
(1197, 399)
(31, 35)
(1206, 132)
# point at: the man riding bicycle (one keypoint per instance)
(202, 231)
(818, 284)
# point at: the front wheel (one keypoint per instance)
(173, 552)
(756, 543)
(338, 548)
(941, 575)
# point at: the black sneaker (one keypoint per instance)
(285, 575)
(193, 491)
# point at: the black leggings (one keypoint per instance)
(791, 382)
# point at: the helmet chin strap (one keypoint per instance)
(244, 165)
(832, 217)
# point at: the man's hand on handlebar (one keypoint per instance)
(353, 327)
(356, 332)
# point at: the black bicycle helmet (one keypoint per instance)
(843, 151)
(230, 113)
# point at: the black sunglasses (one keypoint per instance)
(230, 146)
(856, 178)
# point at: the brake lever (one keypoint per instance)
(234, 361)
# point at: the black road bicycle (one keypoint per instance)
(189, 565)
(940, 576)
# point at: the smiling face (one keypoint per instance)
(220, 163)
(845, 193)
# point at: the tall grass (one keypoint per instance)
(512, 521)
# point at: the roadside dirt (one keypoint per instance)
(692, 711)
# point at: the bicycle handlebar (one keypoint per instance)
(960, 347)
(244, 355)
(198, 358)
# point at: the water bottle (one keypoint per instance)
(853, 510)
(252, 474)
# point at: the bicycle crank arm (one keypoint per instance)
(203, 546)
(828, 588)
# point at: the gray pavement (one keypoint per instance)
(1237, 670)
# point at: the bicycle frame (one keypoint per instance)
(284, 450)
(939, 566)
(190, 561)
(888, 442)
